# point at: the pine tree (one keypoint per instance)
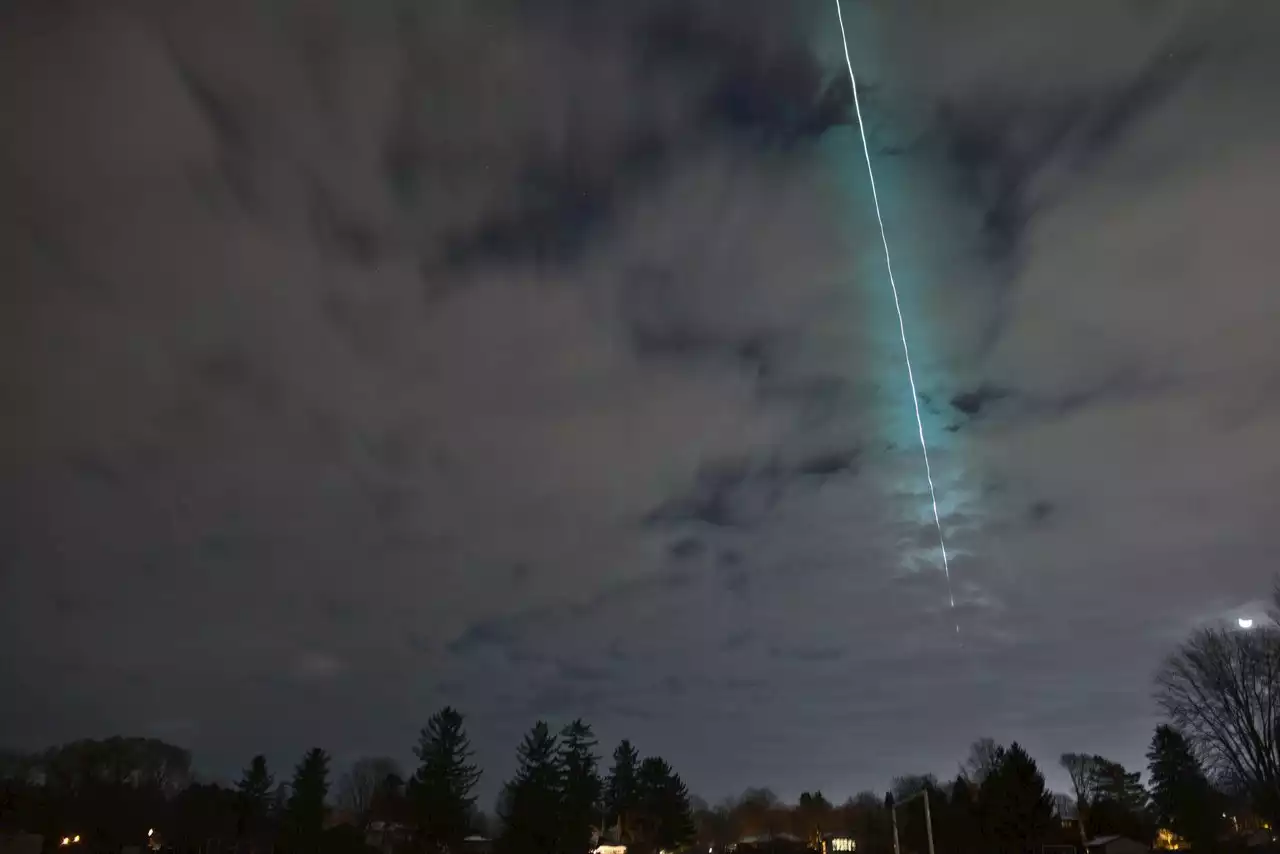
(620, 789)
(254, 790)
(962, 822)
(581, 787)
(531, 801)
(1182, 799)
(1119, 804)
(814, 813)
(1016, 808)
(441, 788)
(280, 802)
(305, 812)
(1120, 787)
(664, 820)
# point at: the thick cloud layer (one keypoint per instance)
(538, 358)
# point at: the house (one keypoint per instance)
(838, 843)
(1115, 845)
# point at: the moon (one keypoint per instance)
(1244, 622)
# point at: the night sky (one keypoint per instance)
(539, 358)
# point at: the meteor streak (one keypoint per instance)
(902, 327)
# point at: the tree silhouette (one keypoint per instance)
(909, 784)
(1016, 808)
(107, 789)
(665, 820)
(1182, 799)
(441, 788)
(306, 810)
(1082, 769)
(982, 755)
(963, 827)
(358, 788)
(1220, 689)
(1120, 802)
(531, 800)
(200, 816)
(620, 793)
(113, 790)
(815, 817)
(581, 787)
(254, 790)
(912, 827)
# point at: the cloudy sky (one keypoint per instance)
(539, 358)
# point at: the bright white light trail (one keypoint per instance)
(902, 327)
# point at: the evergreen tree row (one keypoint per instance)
(561, 801)
(558, 802)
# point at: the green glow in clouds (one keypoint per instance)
(902, 327)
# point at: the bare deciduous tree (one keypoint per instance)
(1082, 768)
(358, 788)
(1221, 688)
(982, 757)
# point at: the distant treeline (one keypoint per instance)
(1214, 778)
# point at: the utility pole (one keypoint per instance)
(928, 819)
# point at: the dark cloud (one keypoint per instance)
(565, 196)
(562, 700)
(828, 463)
(1040, 511)
(735, 580)
(674, 686)
(341, 233)
(1153, 85)
(740, 493)
(808, 654)
(972, 403)
(583, 673)
(726, 494)
(770, 95)
(558, 209)
(483, 635)
(1015, 156)
(687, 548)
